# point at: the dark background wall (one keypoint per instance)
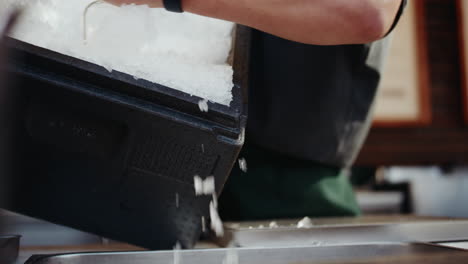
(445, 140)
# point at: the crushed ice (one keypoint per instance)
(305, 222)
(203, 105)
(182, 51)
(204, 187)
(243, 165)
(216, 223)
(273, 224)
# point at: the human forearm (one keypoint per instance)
(326, 22)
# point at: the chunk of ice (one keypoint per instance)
(198, 185)
(306, 222)
(203, 105)
(243, 165)
(204, 187)
(215, 200)
(216, 223)
(273, 225)
(209, 185)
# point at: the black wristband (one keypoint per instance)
(173, 5)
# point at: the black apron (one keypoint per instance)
(311, 102)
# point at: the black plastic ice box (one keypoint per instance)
(114, 156)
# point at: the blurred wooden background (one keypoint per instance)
(445, 140)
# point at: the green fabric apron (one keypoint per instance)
(277, 186)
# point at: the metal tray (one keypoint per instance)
(114, 156)
(345, 231)
(9, 248)
(247, 255)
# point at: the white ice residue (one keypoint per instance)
(177, 200)
(306, 222)
(207, 187)
(203, 148)
(216, 223)
(215, 200)
(198, 184)
(203, 105)
(186, 52)
(243, 164)
(204, 187)
(273, 224)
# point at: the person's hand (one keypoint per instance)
(318, 22)
(150, 3)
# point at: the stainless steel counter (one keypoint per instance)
(345, 231)
(332, 239)
(282, 255)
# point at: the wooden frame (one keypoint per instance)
(416, 11)
(462, 14)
